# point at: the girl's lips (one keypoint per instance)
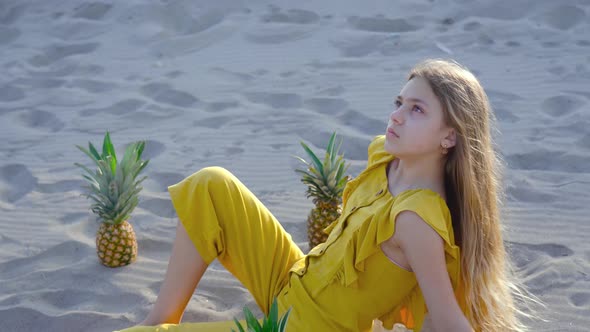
(393, 133)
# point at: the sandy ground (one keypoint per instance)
(238, 84)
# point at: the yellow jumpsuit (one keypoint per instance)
(340, 285)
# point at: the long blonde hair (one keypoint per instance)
(473, 185)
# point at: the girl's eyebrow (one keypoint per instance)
(416, 100)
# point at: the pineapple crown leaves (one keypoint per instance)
(325, 180)
(271, 323)
(114, 191)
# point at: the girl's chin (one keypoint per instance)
(388, 148)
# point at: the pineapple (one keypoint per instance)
(114, 190)
(272, 323)
(325, 181)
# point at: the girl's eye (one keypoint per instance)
(398, 103)
(419, 109)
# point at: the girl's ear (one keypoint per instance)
(450, 139)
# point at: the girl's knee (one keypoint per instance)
(212, 175)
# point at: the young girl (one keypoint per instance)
(419, 233)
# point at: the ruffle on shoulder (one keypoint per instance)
(376, 151)
(366, 240)
(376, 156)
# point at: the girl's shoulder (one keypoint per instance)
(432, 209)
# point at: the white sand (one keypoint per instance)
(239, 84)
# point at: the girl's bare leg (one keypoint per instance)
(185, 269)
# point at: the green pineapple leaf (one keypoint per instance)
(271, 320)
(325, 180)
(89, 154)
(93, 151)
(240, 328)
(140, 149)
(316, 162)
(283, 321)
(251, 320)
(113, 187)
(270, 323)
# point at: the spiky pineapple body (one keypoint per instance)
(325, 182)
(116, 244)
(320, 217)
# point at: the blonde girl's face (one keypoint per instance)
(416, 127)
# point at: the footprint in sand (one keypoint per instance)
(499, 9)
(81, 300)
(275, 99)
(164, 179)
(362, 122)
(74, 217)
(153, 112)
(43, 120)
(58, 52)
(158, 206)
(16, 181)
(472, 26)
(10, 93)
(64, 254)
(580, 299)
(284, 34)
(284, 26)
(7, 35)
(332, 91)
(172, 29)
(293, 16)
(525, 253)
(504, 115)
(551, 277)
(563, 17)
(359, 46)
(119, 108)
(78, 31)
(233, 150)
(543, 264)
(381, 23)
(61, 186)
(9, 15)
(551, 44)
(524, 192)
(92, 86)
(91, 11)
(68, 68)
(558, 106)
(155, 249)
(215, 122)
(584, 141)
(328, 106)
(51, 322)
(339, 64)
(163, 93)
(547, 160)
(501, 96)
(40, 83)
(279, 146)
(174, 74)
(512, 43)
(172, 19)
(557, 70)
(217, 106)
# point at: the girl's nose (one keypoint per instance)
(396, 116)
